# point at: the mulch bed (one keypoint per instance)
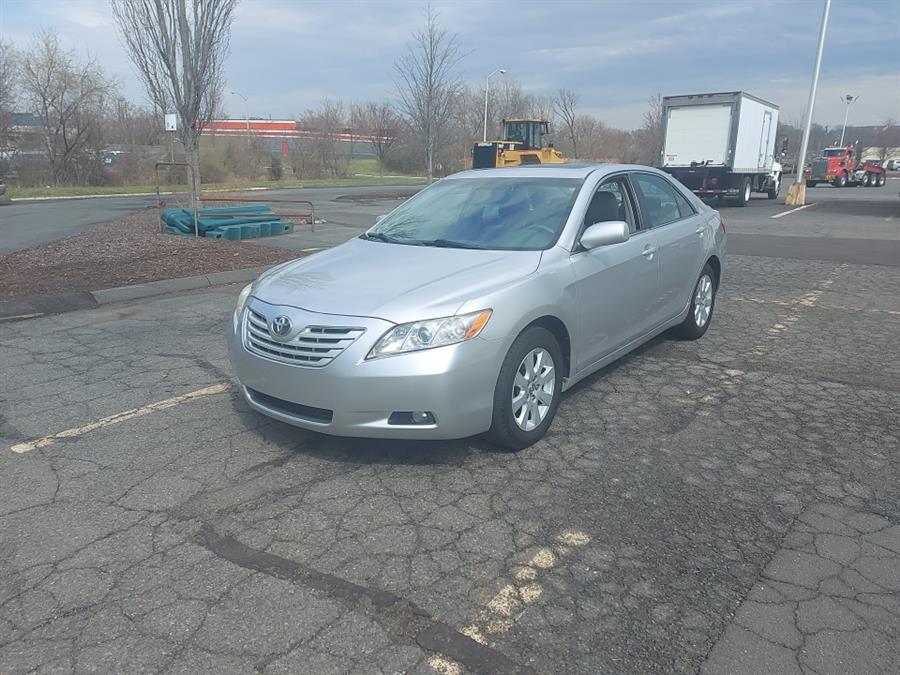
(128, 251)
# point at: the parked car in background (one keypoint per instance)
(893, 165)
(475, 304)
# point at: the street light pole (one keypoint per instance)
(246, 113)
(797, 191)
(849, 99)
(487, 85)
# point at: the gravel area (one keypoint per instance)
(128, 251)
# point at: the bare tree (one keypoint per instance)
(649, 136)
(178, 48)
(887, 138)
(380, 121)
(7, 91)
(71, 100)
(427, 84)
(564, 107)
(326, 156)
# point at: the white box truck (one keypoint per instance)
(722, 144)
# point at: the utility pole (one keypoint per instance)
(849, 100)
(246, 113)
(797, 192)
(487, 86)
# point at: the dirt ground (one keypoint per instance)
(128, 251)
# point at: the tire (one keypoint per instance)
(867, 180)
(811, 183)
(881, 180)
(703, 297)
(840, 181)
(510, 426)
(772, 193)
(746, 189)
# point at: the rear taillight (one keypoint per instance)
(721, 223)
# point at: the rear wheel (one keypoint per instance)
(746, 189)
(881, 179)
(702, 303)
(528, 390)
(867, 180)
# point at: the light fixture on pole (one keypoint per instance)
(797, 192)
(848, 100)
(487, 85)
(246, 114)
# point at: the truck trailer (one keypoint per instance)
(722, 144)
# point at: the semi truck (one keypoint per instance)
(841, 167)
(722, 144)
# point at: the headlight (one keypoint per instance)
(419, 335)
(242, 299)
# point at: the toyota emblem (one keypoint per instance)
(281, 326)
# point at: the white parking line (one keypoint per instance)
(120, 417)
(799, 208)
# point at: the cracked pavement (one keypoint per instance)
(726, 505)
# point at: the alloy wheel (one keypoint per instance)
(703, 300)
(533, 389)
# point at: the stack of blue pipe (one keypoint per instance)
(249, 221)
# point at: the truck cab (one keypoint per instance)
(841, 167)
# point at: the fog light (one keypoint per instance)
(422, 417)
(407, 418)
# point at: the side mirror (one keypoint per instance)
(378, 219)
(606, 233)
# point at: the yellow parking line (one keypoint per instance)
(120, 417)
(799, 208)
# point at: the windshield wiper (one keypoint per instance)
(450, 243)
(378, 236)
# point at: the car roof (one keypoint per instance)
(548, 170)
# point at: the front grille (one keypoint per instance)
(306, 412)
(314, 346)
(819, 167)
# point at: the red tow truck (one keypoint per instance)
(841, 167)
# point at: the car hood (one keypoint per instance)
(391, 281)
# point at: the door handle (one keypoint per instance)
(649, 252)
(701, 230)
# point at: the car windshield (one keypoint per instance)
(519, 214)
(834, 152)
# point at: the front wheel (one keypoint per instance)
(528, 390)
(700, 312)
(811, 183)
(841, 181)
(773, 191)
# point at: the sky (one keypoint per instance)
(287, 55)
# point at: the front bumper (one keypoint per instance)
(354, 397)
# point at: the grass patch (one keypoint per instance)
(75, 191)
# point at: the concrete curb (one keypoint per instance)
(151, 288)
(39, 305)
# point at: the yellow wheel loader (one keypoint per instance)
(523, 143)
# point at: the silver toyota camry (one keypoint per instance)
(474, 305)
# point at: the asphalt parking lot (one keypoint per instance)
(727, 505)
